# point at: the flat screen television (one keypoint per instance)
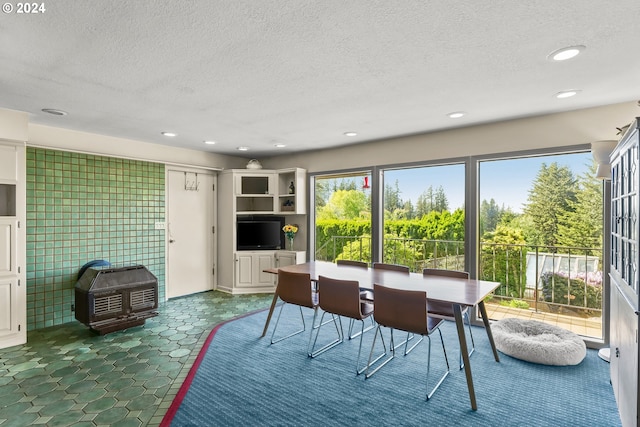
(259, 233)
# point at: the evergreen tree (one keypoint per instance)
(409, 211)
(582, 225)
(490, 214)
(441, 203)
(392, 200)
(322, 192)
(424, 203)
(551, 197)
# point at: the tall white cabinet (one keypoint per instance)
(260, 192)
(13, 285)
(625, 287)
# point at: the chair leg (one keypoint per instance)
(444, 350)
(410, 336)
(361, 333)
(370, 363)
(352, 321)
(291, 334)
(340, 339)
(473, 344)
(406, 344)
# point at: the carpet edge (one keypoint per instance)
(167, 419)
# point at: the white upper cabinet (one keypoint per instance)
(8, 164)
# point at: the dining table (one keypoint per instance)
(458, 292)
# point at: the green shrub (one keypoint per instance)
(560, 289)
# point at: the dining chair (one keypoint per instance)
(295, 288)
(352, 263)
(407, 311)
(402, 269)
(341, 298)
(444, 310)
(392, 267)
(365, 296)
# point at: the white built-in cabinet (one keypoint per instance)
(245, 192)
(250, 266)
(285, 258)
(13, 301)
(624, 274)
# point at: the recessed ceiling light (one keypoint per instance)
(456, 115)
(280, 145)
(566, 94)
(565, 53)
(54, 111)
(243, 148)
(350, 134)
(209, 142)
(169, 134)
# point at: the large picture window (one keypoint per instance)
(342, 216)
(423, 217)
(536, 227)
(541, 238)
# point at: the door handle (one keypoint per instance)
(171, 240)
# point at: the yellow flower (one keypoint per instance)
(290, 230)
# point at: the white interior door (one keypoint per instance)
(189, 232)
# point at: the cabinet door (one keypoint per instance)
(254, 184)
(244, 270)
(284, 259)
(263, 262)
(624, 357)
(7, 247)
(8, 307)
(8, 164)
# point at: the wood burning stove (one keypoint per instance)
(111, 299)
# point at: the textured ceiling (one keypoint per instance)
(259, 72)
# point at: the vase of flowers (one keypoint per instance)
(290, 231)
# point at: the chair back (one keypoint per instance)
(341, 297)
(401, 309)
(440, 308)
(295, 288)
(445, 273)
(352, 263)
(392, 267)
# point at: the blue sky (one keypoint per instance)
(506, 181)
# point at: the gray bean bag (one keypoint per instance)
(538, 342)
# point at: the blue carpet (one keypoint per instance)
(243, 380)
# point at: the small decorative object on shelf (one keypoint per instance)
(254, 164)
(290, 231)
(288, 206)
(292, 188)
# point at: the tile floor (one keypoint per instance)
(68, 376)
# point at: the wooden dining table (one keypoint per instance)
(456, 291)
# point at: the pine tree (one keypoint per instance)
(550, 198)
(582, 225)
(392, 200)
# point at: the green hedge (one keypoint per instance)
(555, 288)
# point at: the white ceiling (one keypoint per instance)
(259, 72)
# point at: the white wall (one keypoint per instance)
(70, 140)
(13, 125)
(555, 130)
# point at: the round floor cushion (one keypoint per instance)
(538, 342)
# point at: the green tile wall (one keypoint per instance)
(80, 208)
